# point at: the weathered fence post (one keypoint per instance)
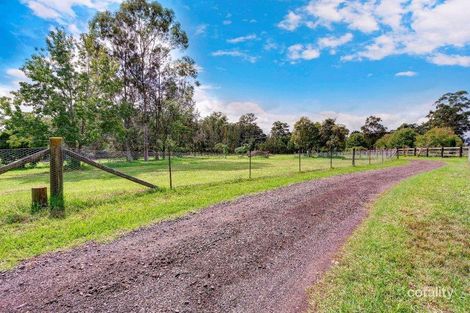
(169, 168)
(461, 152)
(56, 176)
(398, 153)
(39, 198)
(331, 158)
(427, 152)
(354, 157)
(442, 152)
(414, 152)
(249, 157)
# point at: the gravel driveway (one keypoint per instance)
(254, 254)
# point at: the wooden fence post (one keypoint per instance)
(331, 158)
(398, 153)
(414, 152)
(39, 198)
(56, 176)
(354, 157)
(442, 152)
(427, 152)
(369, 156)
(169, 168)
(249, 156)
(300, 161)
(461, 151)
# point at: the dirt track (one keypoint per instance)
(255, 254)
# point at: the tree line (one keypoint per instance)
(126, 85)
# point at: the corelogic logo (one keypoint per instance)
(431, 292)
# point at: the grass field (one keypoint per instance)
(90, 186)
(100, 206)
(411, 255)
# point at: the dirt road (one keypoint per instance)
(255, 254)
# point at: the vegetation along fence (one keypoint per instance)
(60, 177)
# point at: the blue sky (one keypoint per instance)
(283, 59)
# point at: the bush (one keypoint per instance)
(404, 137)
(241, 150)
(439, 137)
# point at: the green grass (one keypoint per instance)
(101, 207)
(416, 238)
(90, 186)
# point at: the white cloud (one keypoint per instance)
(270, 45)
(356, 14)
(302, 52)
(235, 53)
(59, 10)
(16, 76)
(291, 21)
(406, 74)
(334, 42)
(380, 48)
(444, 59)
(42, 10)
(227, 22)
(206, 103)
(200, 29)
(391, 13)
(242, 38)
(73, 29)
(392, 27)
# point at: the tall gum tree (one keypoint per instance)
(142, 35)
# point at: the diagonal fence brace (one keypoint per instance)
(108, 169)
(19, 163)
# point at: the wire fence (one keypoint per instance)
(90, 177)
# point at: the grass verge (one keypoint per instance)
(107, 220)
(411, 255)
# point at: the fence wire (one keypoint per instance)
(85, 185)
(16, 184)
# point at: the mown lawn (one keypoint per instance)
(411, 255)
(101, 208)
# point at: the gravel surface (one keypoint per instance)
(254, 254)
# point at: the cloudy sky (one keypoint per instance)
(282, 59)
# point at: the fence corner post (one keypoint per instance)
(354, 157)
(56, 176)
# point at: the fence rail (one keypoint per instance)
(442, 152)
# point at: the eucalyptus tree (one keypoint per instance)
(56, 90)
(373, 130)
(142, 35)
(305, 135)
(333, 136)
(452, 110)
